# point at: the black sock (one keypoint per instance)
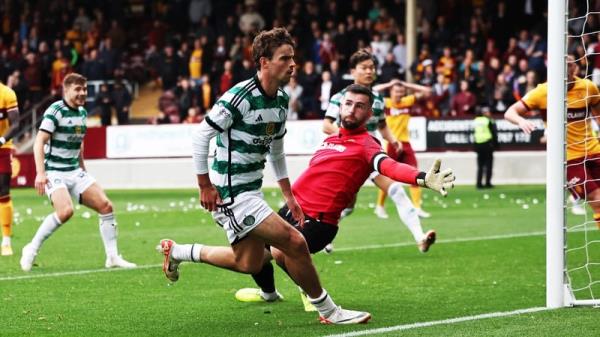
(265, 278)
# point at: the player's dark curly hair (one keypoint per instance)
(362, 90)
(360, 56)
(265, 43)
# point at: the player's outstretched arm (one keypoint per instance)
(513, 115)
(436, 180)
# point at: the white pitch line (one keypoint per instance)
(440, 322)
(403, 244)
(75, 272)
(477, 238)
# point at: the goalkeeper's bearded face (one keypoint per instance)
(356, 110)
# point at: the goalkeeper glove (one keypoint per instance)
(436, 180)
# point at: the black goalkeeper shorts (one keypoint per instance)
(316, 233)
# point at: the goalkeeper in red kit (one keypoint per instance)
(337, 170)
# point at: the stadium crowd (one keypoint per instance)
(471, 53)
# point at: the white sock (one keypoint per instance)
(6, 240)
(323, 303)
(48, 226)
(108, 232)
(188, 252)
(406, 210)
(269, 296)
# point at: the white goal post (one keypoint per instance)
(555, 162)
(572, 251)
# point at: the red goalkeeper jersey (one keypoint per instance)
(339, 168)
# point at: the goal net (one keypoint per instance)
(572, 100)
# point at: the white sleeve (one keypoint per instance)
(200, 141)
(333, 110)
(276, 157)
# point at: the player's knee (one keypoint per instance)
(65, 213)
(248, 267)
(297, 244)
(105, 206)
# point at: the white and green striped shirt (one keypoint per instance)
(67, 127)
(333, 110)
(247, 121)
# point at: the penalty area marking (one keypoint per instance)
(440, 322)
(75, 272)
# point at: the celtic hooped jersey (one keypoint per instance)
(247, 120)
(67, 127)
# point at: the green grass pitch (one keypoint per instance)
(490, 257)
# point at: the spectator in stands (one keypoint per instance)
(443, 90)
(169, 68)
(226, 80)
(427, 77)
(294, 91)
(446, 64)
(327, 51)
(32, 74)
(199, 9)
(325, 92)
(121, 98)
(503, 97)
(244, 71)
(104, 104)
(399, 51)
(193, 116)
(206, 95)
(185, 97)
(92, 68)
(251, 21)
(309, 80)
(82, 20)
(513, 49)
(536, 53)
(108, 56)
(195, 63)
(60, 68)
(116, 35)
(463, 103)
(390, 69)
(380, 48)
(342, 43)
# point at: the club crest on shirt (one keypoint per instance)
(270, 129)
(282, 114)
(249, 220)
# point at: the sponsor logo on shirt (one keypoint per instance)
(337, 147)
(262, 141)
(576, 115)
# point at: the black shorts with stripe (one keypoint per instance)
(316, 233)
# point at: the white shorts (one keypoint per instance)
(76, 182)
(247, 212)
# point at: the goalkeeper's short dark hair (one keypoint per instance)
(362, 90)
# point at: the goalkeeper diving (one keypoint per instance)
(337, 170)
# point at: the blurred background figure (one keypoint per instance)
(486, 140)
